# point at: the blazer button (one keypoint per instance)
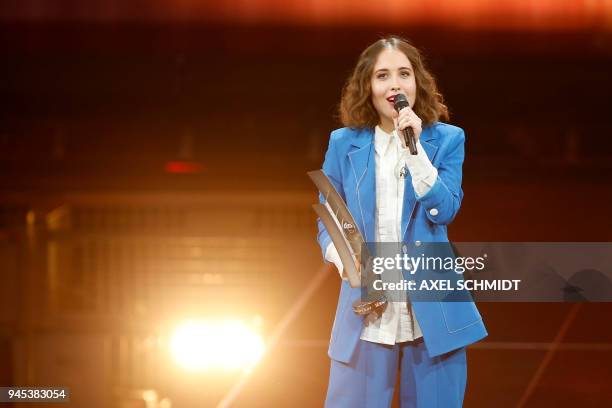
(433, 212)
(417, 243)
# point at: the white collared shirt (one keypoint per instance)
(397, 323)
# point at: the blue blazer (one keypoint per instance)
(350, 165)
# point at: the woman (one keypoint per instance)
(395, 196)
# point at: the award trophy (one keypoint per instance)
(349, 242)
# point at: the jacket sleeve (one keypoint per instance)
(331, 168)
(442, 201)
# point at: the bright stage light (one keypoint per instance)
(199, 345)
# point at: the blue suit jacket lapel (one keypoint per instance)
(363, 165)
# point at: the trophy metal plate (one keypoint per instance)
(347, 239)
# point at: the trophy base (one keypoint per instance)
(363, 307)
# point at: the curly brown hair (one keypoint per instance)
(356, 109)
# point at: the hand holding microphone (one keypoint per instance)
(407, 123)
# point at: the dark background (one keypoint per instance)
(153, 167)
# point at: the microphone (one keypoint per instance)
(400, 102)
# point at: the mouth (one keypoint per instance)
(392, 98)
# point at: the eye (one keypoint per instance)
(381, 75)
(405, 73)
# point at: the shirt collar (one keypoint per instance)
(382, 140)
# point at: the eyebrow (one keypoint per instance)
(387, 69)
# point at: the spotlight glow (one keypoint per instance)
(199, 345)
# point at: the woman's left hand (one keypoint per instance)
(408, 119)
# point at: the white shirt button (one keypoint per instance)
(433, 212)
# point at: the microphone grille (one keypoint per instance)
(400, 102)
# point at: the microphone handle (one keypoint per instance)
(409, 140)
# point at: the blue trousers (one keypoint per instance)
(368, 380)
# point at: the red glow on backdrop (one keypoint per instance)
(183, 167)
(472, 14)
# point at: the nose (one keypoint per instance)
(395, 86)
